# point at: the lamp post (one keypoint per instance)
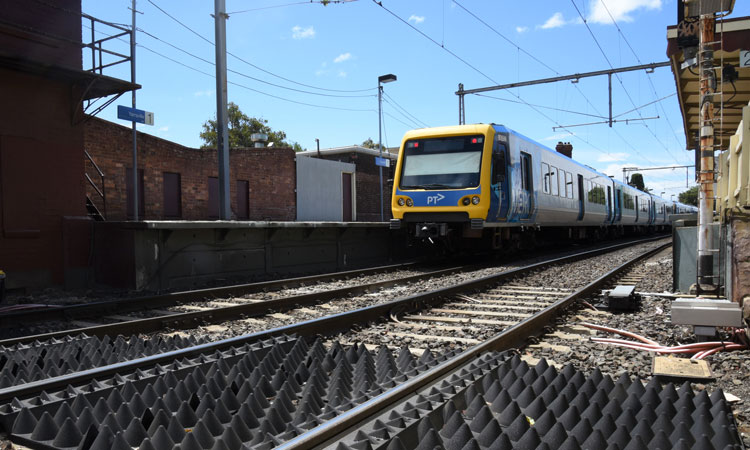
(672, 197)
(382, 80)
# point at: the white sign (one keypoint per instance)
(744, 58)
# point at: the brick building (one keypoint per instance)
(44, 231)
(181, 183)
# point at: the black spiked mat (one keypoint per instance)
(254, 396)
(516, 406)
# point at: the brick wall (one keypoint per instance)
(270, 173)
(368, 185)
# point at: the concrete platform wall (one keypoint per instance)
(180, 255)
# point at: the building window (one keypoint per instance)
(243, 200)
(172, 195)
(129, 194)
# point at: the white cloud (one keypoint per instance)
(621, 10)
(416, 19)
(556, 21)
(343, 57)
(613, 157)
(303, 33)
(342, 74)
(558, 137)
(206, 93)
(522, 29)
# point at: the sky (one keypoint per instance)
(311, 70)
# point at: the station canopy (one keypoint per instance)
(731, 47)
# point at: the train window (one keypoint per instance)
(553, 180)
(568, 185)
(627, 201)
(525, 171)
(545, 178)
(498, 164)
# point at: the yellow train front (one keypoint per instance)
(449, 181)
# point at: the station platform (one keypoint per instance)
(163, 255)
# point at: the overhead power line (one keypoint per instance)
(380, 3)
(308, 2)
(187, 66)
(650, 82)
(251, 64)
(596, 41)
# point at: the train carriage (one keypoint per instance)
(488, 181)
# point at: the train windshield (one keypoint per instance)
(442, 163)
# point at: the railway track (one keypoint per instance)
(269, 388)
(191, 309)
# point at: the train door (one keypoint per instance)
(499, 197)
(526, 200)
(636, 209)
(618, 204)
(609, 204)
(581, 195)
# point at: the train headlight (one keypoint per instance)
(475, 200)
(466, 201)
(401, 202)
(409, 202)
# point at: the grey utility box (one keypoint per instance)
(706, 312)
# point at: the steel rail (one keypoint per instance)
(226, 313)
(123, 305)
(324, 325)
(328, 432)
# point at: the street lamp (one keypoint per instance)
(662, 194)
(382, 80)
(672, 197)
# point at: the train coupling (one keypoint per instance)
(431, 230)
(395, 224)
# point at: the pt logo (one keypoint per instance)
(434, 199)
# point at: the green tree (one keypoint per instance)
(636, 180)
(689, 197)
(369, 144)
(241, 127)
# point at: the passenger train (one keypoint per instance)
(486, 182)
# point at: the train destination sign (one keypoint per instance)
(135, 115)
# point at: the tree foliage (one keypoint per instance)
(636, 180)
(241, 127)
(369, 144)
(689, 197)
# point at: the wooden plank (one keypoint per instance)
(194, 308)
(513, 303)
(521, 297)
(220, 304)
(503, 291)
(484, 305)
(556, 348)
(433, 327)
(468, 312)
(536, 289)
(431, 337)
(460, 320)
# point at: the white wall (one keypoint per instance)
(319, 190)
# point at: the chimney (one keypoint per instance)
(565, 149)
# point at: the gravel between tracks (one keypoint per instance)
(653, 321)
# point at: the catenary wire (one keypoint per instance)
(380, 3)
(407, 113)
(239, 84)
(619, 79)
(248, 76)
(578, 89)
(251, 64)
(308, 2)
(653, 88)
